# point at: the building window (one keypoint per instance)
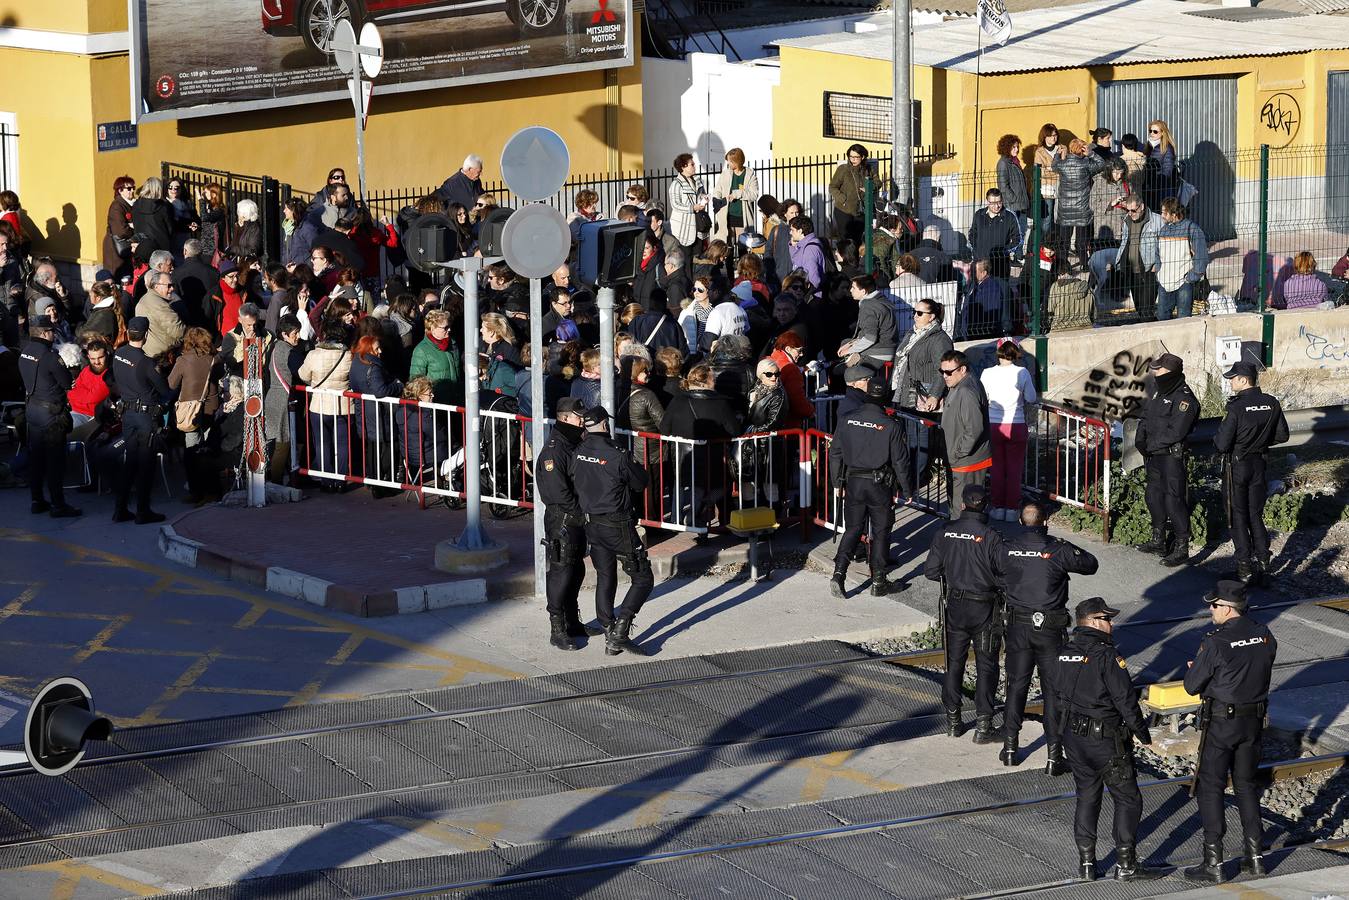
(9, 152)
(858, 117)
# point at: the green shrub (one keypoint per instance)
(1130, 522)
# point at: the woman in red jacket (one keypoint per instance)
(787, 352)
(369, 237)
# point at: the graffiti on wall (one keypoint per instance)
(1321, 350)
(1279, 120)
(1113, 388)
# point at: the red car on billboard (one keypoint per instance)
(315, 20)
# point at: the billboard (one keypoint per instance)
(194, 58)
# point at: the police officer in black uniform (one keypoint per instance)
(145, 397)
(47, 412)
(1254, 423)
(564, 524)
(1037, 567)
(606, 477)
(967, 557)
(1231, 672)
(1170, 411)
(1100, 717)
(868, 460)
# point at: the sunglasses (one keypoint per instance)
(1154, 131)
(949, 372)
(769, 374)
(632, 198)
(700, 290)
(919, 312)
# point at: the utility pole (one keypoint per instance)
(901, 146)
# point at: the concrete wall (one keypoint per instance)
(1100, 370)
(705, 105)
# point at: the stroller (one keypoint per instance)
(504, 468)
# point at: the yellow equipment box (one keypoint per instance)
(747, 521)
(1170, 695)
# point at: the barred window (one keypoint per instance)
(859, 117)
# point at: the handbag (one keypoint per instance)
(702, 222)
(187, 412)
(1185, 193)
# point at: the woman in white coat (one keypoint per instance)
(687, 199)
(739, 187)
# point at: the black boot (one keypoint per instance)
(836, 587)
(559, 637)
(1180, 554)
(1128, 868)
(984, 732)
(1210, 870)
(1245, 572)
(576, 628)
(1086, 863)
(954, 727)
(1055, 764)
(879, 585)
(1253, 862)
(617, 639)
(1158, 543)
(1259, 566)
(1009, 750)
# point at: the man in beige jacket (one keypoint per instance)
(166, 327)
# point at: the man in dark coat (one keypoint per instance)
(465, 186)
(934, 265)
(197, 283)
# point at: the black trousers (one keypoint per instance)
(871, 506)
(966, 622)
(1167, 497)
(46, 453)
(1031, 648)
(138, 431)
(611, 544)
(563, 581)
(1090, 759)
(1231, 745)
(849, 226)
(1248, 489)
(1143, 288)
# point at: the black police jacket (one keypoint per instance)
(1037, 567)
(136, 378)
(1234, 662)
(553, 469)
(1093, 680)
(968, 554)
(1254, 423)
(605, 477)
(45, 379)
(866, 440)
(1170, 412)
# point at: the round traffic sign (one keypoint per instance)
(343, 36)
(536, 240)
(372, 62)
(535, 163)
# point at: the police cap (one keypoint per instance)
(595, 416)
(974, 496)
(571, 406)
(1169, 361)
(1094, 606)
(857, 373)
(878, 388)
(1229, 593)
(138, 325)
(1243, 370)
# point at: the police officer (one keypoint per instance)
(564, 524)
(967, 557)
(144, 397)
(1170, 411)
(1254, 423)
(47, 411)
(606, 477)
(1099, 709)
(1037, 567)
(1231, 672)
(868, 460)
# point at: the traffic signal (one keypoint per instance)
(610, 252)
(491, 229)
(60, 721)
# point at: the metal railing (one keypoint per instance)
(1068, 460)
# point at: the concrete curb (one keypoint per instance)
(317, 591)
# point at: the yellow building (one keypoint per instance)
(66, 67)
(1226, 80)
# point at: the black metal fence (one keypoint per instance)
(9, 156)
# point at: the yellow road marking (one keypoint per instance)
(823, 769)
(72, 872)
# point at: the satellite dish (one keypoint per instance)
(536, 241)
(370, 39)
(535, 163)
(344, 36)
(59, 722)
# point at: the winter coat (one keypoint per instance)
(368, 376)
(503, 361)
(700, 414)
(767, 408)
(1075, 176)
(1304, 291)
(191, 374)
(793, 380)
(684, 194)
(587, 390)
(1148, 251)
(1182, 251)
(119, 225)
(166, 328)
(247, 242)
(328, 367)
(808, 255)
(847, 186)
(658, 329)
(300, 242)
(232, 348)
(1012, 183)
(641, 411)
(876, 334)
(153, 221)
(283, 367)
(749, 199)
(964, 424)
(995, 238)
(733, 377)
(424, 435)
(1049, 178)
(102, 321)
(445, 368)
(1160, 176)
(1108, 219)
(922, 366)
(198, 283)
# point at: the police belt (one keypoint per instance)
(1219, 710)
(876, 474)
(617, 519)
(140, 406)
(972, 596)
(1039, 618)
(1097, 728)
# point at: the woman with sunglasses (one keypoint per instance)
(1161, 164)
(117, 239)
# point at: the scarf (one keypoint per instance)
(443, 345)
(902, 360)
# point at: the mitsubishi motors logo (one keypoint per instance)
(603, 14)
